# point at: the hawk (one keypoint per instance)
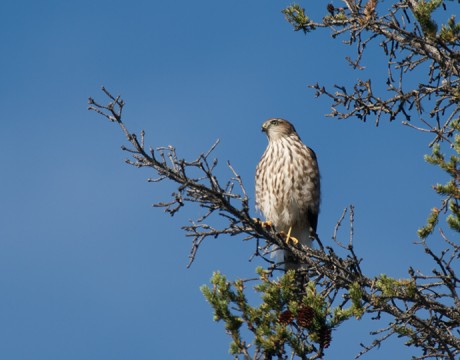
(288, 185)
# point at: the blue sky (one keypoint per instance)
(88, 269)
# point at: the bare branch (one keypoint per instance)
(423, 308)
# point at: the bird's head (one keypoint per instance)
(277, 128)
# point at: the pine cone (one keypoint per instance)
(305, 316)
(325, 337)
(286, 317)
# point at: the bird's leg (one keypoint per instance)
(269, 224)
(289, 237)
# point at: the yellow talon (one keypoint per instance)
(265, 224)
(289, 237)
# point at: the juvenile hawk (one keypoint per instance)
(288, 184)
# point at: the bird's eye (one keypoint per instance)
(274, 122)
